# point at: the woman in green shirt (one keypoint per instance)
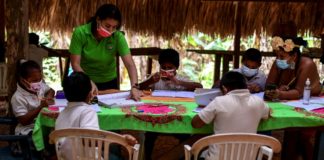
(94, 47)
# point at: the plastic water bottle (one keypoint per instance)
(307, 92)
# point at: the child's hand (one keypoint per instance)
(254, 88)
(155, 77)
(135, 94)
(130, 139)
(50, 101)
(43, 103)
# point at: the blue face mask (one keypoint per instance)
(282, 64)
(248, 72)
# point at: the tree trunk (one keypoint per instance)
(16, 16)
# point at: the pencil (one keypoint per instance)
(291, 82)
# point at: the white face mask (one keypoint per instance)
(36, 86)
(246, 71)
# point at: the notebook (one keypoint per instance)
(204, 96)
(116, 100)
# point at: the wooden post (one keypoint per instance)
(16, 15)
(2, 31)
(238, 19)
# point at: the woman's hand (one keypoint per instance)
(136, 94)
(94, 89)
(283, 88)
(130, 139)
(272, 94)
(254, 88)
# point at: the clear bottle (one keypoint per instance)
(307, 92)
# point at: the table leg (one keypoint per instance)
(319, 146)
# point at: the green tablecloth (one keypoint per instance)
(119, 119)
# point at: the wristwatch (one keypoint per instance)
(136, 85)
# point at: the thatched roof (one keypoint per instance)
(169, 17)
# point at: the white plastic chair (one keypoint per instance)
(91, 144)
(236, 146)
(3, 80)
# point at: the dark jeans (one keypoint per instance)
(113, 84)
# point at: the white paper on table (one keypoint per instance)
(62, 103)
(205, 96)
(197, 110)
(114, 96)
(299, 104)
(166, 93)
(260, 94)
(121, 102)
(319, 100)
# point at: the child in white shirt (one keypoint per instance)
(31, 96)
(167, 78)
(78, 113)
(236, 111)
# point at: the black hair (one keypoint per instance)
(24, 68)
(253, 55)
(233, 80)
(76, 87)
(169, 56)
(33, 38)
(106, 11)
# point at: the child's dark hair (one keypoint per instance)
(252, 54)
(24, 68)
(169, 56)
(76, 87)
(106, 11)
(33, 38)
(233, 80)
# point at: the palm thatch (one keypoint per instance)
(167, 18)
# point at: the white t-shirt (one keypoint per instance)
(22, 102)
(37, 54)
(236, 112)
(75, 115)
(260, 78)
(166, 85)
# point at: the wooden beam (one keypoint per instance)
(16, 16)
(2, 30)
(279, 1)
(237, 38)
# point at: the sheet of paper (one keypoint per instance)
(318, 100)
(121, 102)
(300, 104)
(62, 103)
(198, 109)
(260, 94)
(114, 95)
(96, 107)
(166, 93)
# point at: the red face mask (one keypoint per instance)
(103, 32)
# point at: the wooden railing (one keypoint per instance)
(220, 56)
(227, 57)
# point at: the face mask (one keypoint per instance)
(249, 72)
(167, 73)
(36, 86)
(103, 32)
(282, 64)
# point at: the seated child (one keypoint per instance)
(236, 111)
(78, 113)
(251, 61)
(167, 78)
(31, 96)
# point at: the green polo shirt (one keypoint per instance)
(98, 59)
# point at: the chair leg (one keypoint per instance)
(25, 147)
